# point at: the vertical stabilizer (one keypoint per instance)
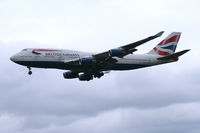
(167, 46)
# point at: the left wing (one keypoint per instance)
(126, 49)
(107, 57)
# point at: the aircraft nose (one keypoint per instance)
(12, 58)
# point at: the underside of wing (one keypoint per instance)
(72, 62)
(91, 61)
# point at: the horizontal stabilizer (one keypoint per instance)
(175, 55)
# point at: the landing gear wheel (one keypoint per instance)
(98, 75)
(29, 72)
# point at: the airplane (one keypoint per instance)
(86, 66)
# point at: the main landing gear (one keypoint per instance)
(98, 75)
(29, 71)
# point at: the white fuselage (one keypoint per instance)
(56, 58)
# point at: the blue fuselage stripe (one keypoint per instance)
(62, 65)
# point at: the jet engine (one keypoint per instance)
(87, 61)
(70, 75)
(116, 52)
(85, 77)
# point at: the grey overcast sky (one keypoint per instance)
(158, 99)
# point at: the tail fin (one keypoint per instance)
(167, 46)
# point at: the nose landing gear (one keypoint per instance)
(29, 71)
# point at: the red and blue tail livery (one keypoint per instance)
(168, 45)
(86, 66)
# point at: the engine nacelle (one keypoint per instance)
(116, 52)
(85, 77)
(87, 61)
(70, 75)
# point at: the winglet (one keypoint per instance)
(159, 34)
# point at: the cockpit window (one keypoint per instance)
(24, 49)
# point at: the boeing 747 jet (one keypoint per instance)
(87, 66)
